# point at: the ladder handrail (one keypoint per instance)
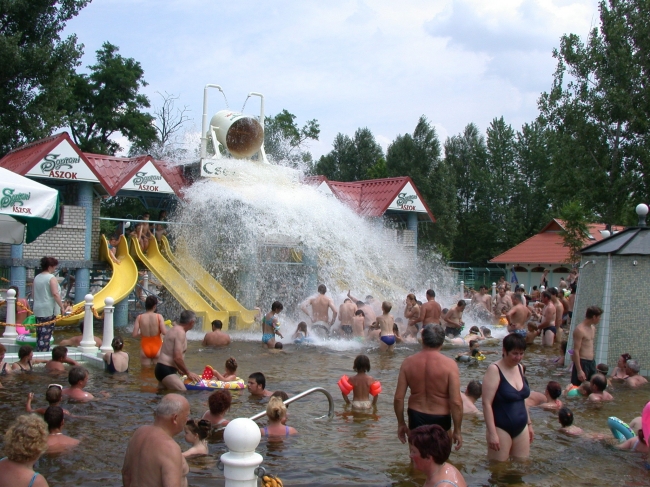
(329, 414)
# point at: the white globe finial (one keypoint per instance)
(89, 299)
(109, 301)
(642, 209)
(242, 435)
(11, 293)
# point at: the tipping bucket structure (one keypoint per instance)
(240, 134)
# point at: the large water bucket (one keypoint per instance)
(241, 134)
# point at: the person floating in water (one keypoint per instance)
(271, 325)
(362, 385)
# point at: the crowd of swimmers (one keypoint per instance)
(431, 423)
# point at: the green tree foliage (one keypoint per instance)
(576, 228)
(107, 102)
(286, 143)
(418, 156)
(351, 159)
(598, 109)
(36, 65)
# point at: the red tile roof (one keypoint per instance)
(547, 247)
(115, 170)
(371, 197)
(173, 174)
(24, 158)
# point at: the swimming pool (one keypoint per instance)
(349, 449)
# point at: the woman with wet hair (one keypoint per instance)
(118, 361)
(24, 443)
(429, 449)
(196, 433)
(509, 429)
(219, 404)
(619, 372)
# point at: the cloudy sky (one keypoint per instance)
(348, 64)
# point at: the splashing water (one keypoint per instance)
(266, 237)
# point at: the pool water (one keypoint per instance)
(349, 449)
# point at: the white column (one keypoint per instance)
(107, 339)
(10, 334)
(145, 281)
(462, 290)
(241, 437)
(87, 344)
(494, 290)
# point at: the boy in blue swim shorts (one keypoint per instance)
(386, 322)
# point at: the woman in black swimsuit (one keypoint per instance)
(505, 389)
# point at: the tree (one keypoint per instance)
(36, 66)
(107, 102)
(576, 228)
(598, 110)
(418, 156)
(169, 122)
(351, 159)
(285, 142)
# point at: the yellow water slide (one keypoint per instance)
(123, 280)
(176, 284)
(208, 285)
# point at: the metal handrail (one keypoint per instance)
(329, 414)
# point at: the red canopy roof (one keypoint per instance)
(369, 198)
(547, 247)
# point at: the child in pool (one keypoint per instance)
(583, 389)
(219, 404)
(197, 433)
(230, 373)
(361, 385)
(67, 307)
(533, 332)
(301, 332)
(52, 396)
(59, 357)
(565, 417)
(474, 351)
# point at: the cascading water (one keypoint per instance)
(267, 236)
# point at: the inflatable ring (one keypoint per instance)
(27, 339)
(204, 385)
(620, 429)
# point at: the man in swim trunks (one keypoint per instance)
(454, 319)
(435, 388)
(346, 314)
(172, 354)
(152, 457)
(151, 327)
(518, 316)
(216, 338)
(386, 322)
(547, 324)
(320, 306)
(430, 311)
(584, 365)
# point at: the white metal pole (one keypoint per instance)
(462, 290)
(241, 437)
(494, 290)
(145, 281)
(10, 333)
(204, 122)
(107, 339)
(87, 344)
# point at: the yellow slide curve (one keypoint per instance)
(176, 284)
(123, 280)
(208, 285)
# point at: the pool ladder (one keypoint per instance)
(329, 414)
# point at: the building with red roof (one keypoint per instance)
(546, 250)
(396, 200)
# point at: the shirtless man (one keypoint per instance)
(216, 338)
(358, 328)
(172, 355)
(430, 311)
(346, 314)
(320, 306)
(632, 370)
(547, 323)
(559, 313)
(386, 322)
(472, 394)
(153, 458)
(435, 388)
(584, 365)
(454, 319)
(518, 316)
(503, 302)
(412, 313)
(151, 327)
(76, 340)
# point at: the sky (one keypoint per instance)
(348, 64)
